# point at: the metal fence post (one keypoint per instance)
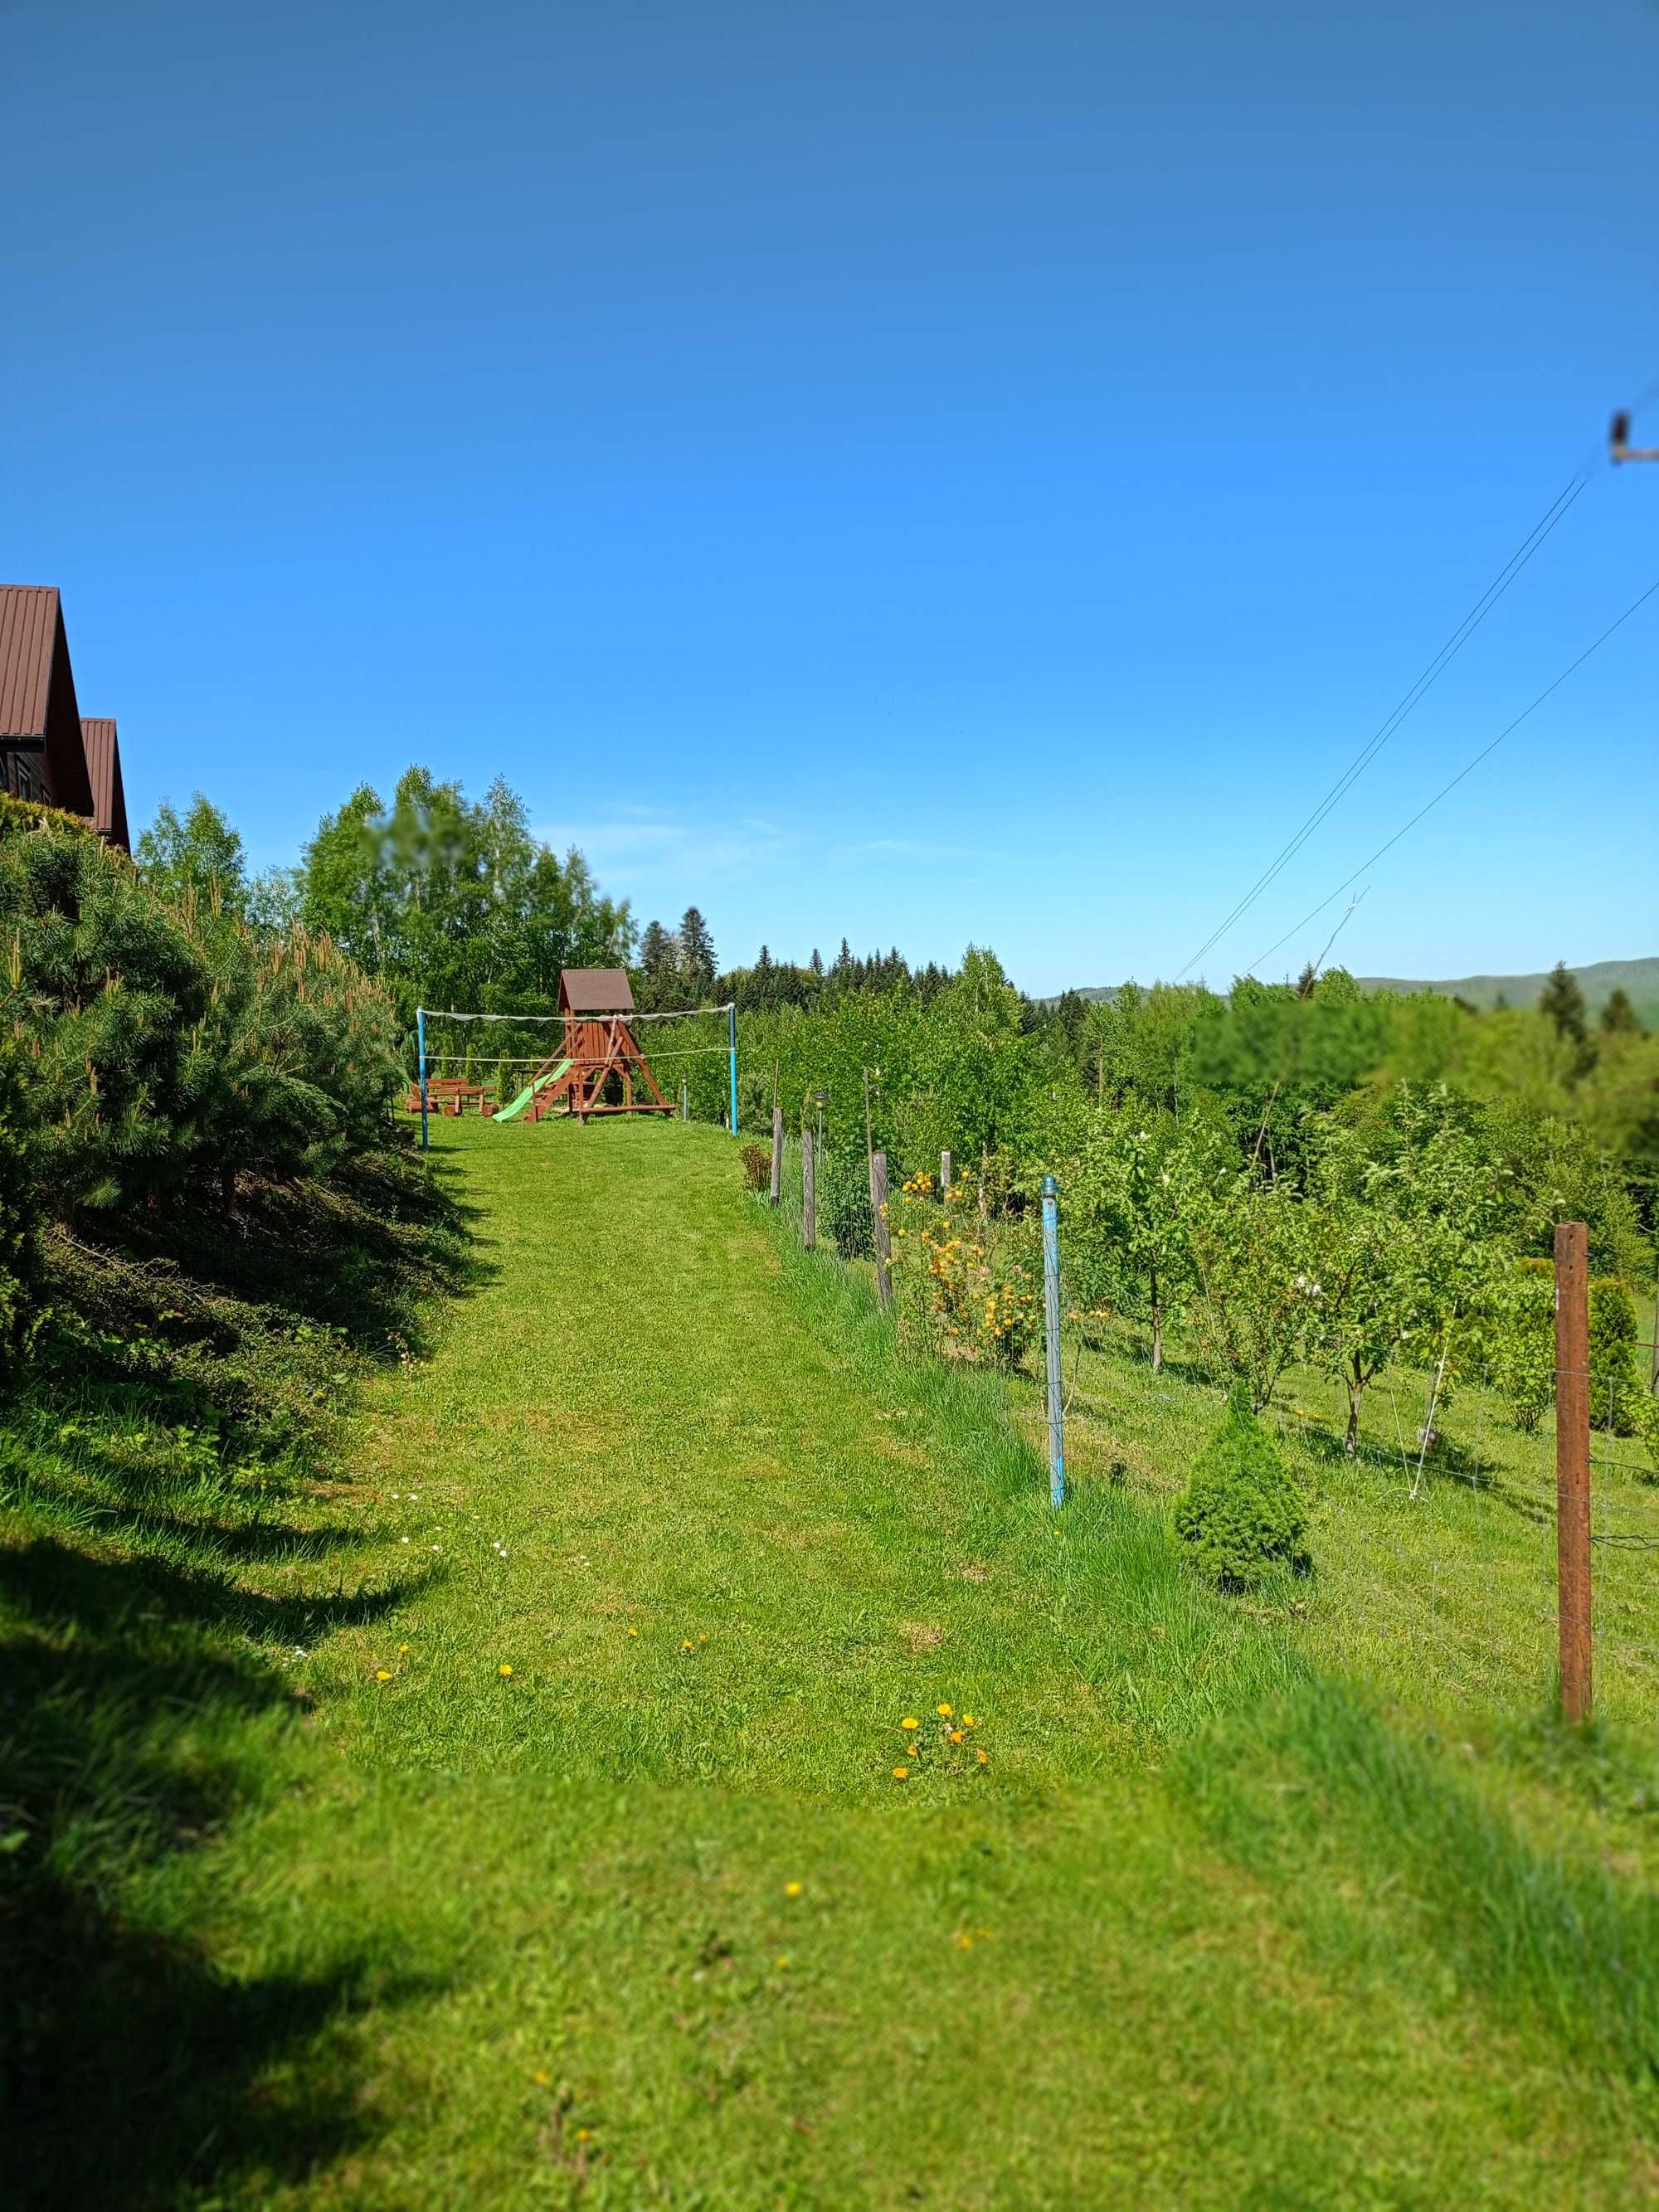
(732, 1047)
(420, 1062)
(1051, 1337)
(943, 1173)
(809, 1216)
(1573, 1499)
(777, 1154)
(879, 1217)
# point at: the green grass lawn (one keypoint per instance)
(650, 1919)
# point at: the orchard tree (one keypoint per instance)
(1401, 1221)
(1129, 1197)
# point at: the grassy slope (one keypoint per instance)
(460, 1937)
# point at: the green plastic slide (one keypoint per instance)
(507, 1113)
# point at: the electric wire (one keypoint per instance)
(1468, 769)
(1531, 544)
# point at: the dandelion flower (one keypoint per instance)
(503, 1670)
(943, 1712)
(403, 1647)
(382, 1676)
(792, 1888)
(632, 1631)
(911, 1723)
(541, 2077)
(584, 2135)
(782, 1962)
(685, 1647)
(980, 1756)
(955, 1735)
(965, 1940)
(900, 1773)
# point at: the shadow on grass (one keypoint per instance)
(133, 2067)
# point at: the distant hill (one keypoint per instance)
(1638, 979)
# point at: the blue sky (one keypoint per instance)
(914, 473)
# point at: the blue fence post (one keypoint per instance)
(732, 1043)
(1051, 1334)
(420, 1061)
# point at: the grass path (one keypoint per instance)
(649, 1920)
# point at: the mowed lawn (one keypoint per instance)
(651, 1919)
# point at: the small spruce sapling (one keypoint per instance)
(1242, 1512)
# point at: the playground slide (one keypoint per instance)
(507, 1113)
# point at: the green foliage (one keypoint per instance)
(841, 1190)
(20, 1306)
(1519, 1339)
(167, 1048)
(1241, 1514)
(1130, 1194)
(456, 904)
(1615, 1383)
(200, 856)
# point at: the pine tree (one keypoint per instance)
(815, 964)
(696, 954)
(1562, 1002)
(1619, 1016)
(1241, 1512)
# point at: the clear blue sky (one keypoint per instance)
(914, 472)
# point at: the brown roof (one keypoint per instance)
(109, 799)
(595, 990)
(28, 626)
(37, 690)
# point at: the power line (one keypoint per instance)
(1442, 660)
(1467, 770)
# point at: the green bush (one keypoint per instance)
(1614, 1382)
(843, 1193)
(1520, 1341)
(164, 1047)
(1242, 1512)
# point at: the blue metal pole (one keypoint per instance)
(1051, 1334)
(420, 1059)
(731, 1042)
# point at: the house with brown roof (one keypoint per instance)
(48, 754)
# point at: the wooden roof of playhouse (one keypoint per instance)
(595, 990)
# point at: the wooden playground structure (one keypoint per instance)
(597, 1066)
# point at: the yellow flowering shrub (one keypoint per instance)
(954, 1291)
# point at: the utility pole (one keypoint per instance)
(1620, 447)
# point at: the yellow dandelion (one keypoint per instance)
(584, 2135)
(783, 1960)
(382, 1676)
(793, 1889)
(955, 1735)
(900, 1773)
(685, 1646)
(943, 1712)
(632, 1631)
(910, 1724)
(503, 1670)
(403, 1647)
(541, 2078)
(965, 1940)
(968, 1721)
(980, 1756)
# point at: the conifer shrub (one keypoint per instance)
(1242, 1513)
(164, 1048)
(1615, 1383)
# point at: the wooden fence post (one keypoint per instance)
(809, 1212)
(777, 1154)
(1573, 1499)
(878, 1216)
(944, 1173)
